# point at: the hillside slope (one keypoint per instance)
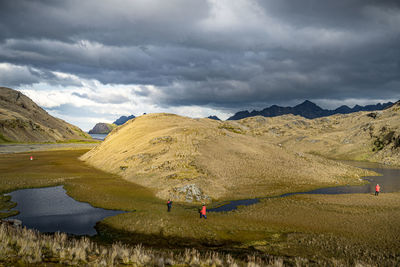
(372, 136)
(197, 159)
(21, 120)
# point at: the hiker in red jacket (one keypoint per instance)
(377, 189)
(203, 212)
(169, 205)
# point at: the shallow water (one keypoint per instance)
(50, 209)
(98, 136)
(389, 182)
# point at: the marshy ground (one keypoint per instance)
(313, 229)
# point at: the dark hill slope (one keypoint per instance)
(22, 120)
(102, 128)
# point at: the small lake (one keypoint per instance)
(50, 209)
(389, 182)
(99, 136)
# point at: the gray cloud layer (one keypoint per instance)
(218, 53)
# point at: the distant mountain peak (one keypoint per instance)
(102, 128)
(343, 109)
(306, 109)
(121, 120)
(308, 104)
(213, 117)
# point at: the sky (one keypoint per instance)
(94, 61)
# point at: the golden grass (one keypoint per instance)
(165, 151)
(22, 246)
(342, 226)
(355, 136)
(307, 228)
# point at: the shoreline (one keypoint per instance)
(21, 148)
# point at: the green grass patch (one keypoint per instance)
(3, 139)
(230, 128)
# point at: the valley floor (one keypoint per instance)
(301, 229)
(19, 148)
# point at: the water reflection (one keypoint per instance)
(51, 209)
(98, 136)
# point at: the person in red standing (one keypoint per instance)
(169, 205)
(377, 189)
(203, 211)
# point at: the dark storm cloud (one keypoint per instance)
(216, 53)
(13, 76)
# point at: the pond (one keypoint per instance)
(99, 136)
(50, 209)
(389, 182)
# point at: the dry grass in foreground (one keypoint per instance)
(22, 246)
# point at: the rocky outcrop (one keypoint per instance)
(22, 120)
(102, 128)
(189, 193)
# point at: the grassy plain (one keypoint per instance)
(85, 183)
(308, 229)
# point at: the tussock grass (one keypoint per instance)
(24, 246)
(21, 246)
(351, 227)
(356, 136)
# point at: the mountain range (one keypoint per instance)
(308, 110)
(123, 119)
(213, 117)
(106, 128)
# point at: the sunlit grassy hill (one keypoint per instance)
(22, 120)
(372, 136)
(197, 159)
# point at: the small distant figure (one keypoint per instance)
(377, 189)
(203, 211)
(169, 205)
(31, 158)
